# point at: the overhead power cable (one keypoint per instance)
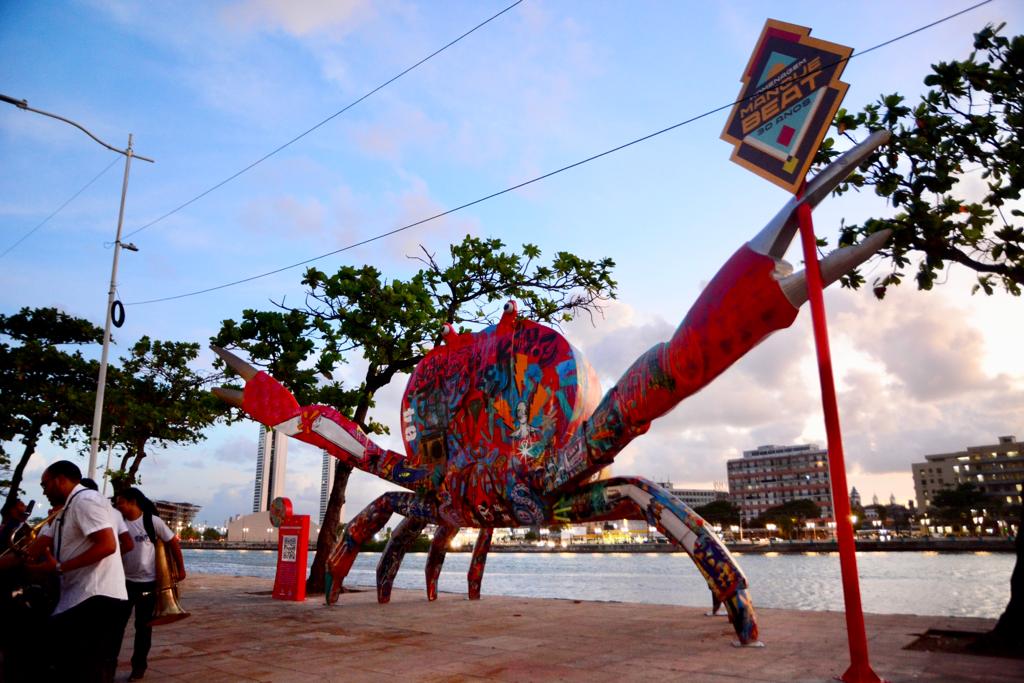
(329, 118)
(60, 208)
(550, 173)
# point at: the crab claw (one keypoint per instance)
(231, 396)
(774, 238)
(833, 267)
(265, 399)
(246, 371)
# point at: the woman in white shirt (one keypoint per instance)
(144, 527)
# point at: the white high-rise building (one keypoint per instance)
(271, 459)
(326, 482)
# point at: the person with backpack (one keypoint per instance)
(144, 527)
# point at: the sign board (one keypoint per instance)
(292, 551)
(791, 91)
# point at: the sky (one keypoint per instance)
(206, 89)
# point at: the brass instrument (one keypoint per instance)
(23, 593)
(167, 609)
(21, 543)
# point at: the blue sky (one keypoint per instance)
(208, 88)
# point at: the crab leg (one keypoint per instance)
(267, 401)
(363, 526)
(475, 576)
(636, 498)
(391, 559)
(753, 295)
(435, 559)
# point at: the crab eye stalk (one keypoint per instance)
(447, 330)
(510, 307)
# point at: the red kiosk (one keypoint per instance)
(292, 550)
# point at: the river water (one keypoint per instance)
(942, 584)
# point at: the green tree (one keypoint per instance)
(790, 515)
(970, 121)
(969, 125)
(41, 384)
(721, 512)
(189, 534)
(211, 534)
(392, 324)
(285, 344)
(958, 507)
(155, 399)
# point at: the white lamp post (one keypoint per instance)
(101, 382)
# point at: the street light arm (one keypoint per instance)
(101, 383)
(23, 104)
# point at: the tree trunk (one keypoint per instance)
(1009, 631)
(127, 475)
(133, 471)
(328, 536)
(31, 439)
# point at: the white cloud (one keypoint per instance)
(399, 128)
(414, 204)
(285, 215)
(911, 378)
(237, 449)
(299, 18)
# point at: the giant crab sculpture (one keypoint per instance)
(506, 427)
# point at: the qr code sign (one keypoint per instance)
(289, 548)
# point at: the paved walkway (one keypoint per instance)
(238, 633)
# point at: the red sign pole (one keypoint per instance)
(860, 668)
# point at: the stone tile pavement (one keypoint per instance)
(238, 633)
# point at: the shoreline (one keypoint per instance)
(966, 545)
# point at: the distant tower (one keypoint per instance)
(874, 499)
(326, 482)
(271, 458)
(892, 499)
(854, 496)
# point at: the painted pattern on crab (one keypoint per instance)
(506, 427)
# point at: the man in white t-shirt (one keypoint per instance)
(81, 547)
(144, 527)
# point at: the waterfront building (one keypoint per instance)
(178, 516)
(855, 498)
(256, 528)
(271, 458)
(695, 498)
(326, 481)
(996, 469)
(772, 475)
(886, 519)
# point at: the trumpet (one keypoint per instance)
(21, 544)
(167, 609)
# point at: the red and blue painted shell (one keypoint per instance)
(488, 412)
